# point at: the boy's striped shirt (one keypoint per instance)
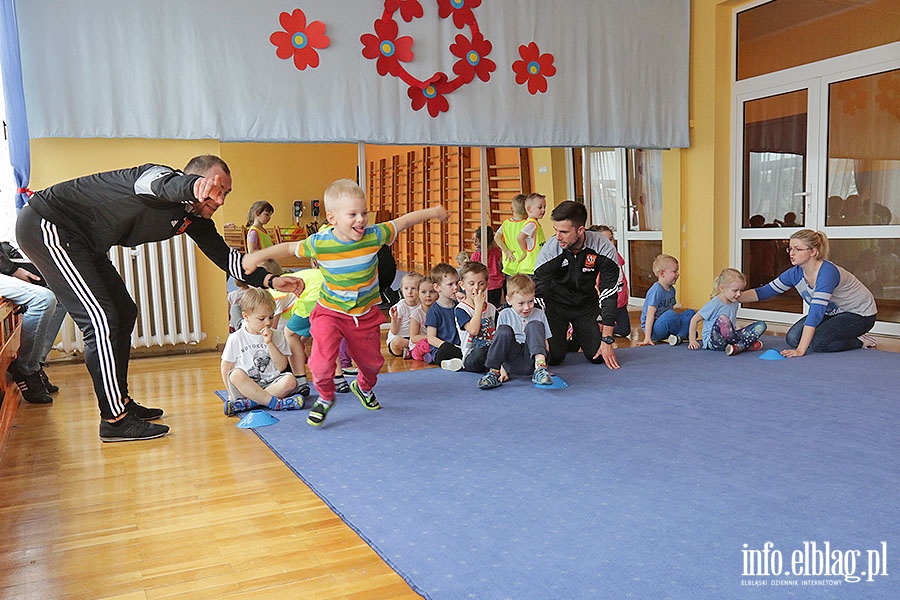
(350, 269)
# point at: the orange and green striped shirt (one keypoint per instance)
(350, 269)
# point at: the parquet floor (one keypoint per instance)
(206, 512)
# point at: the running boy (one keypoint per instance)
(254, 357)
(659, 318)
(520, 342)
(348, 305)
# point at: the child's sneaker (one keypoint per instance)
(302, 389)
(541, 377)
(489, 381)
(341, 386)
(732, 349)
(757, 345)
(674, 340)
(233, 407)
(369, 401)
(351, 371)
(318, 412)
(289, 403)
(428, 357)
(452, 364)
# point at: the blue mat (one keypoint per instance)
(664, 479)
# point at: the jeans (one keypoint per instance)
(672, 323)
(40, 322)
(834, 334)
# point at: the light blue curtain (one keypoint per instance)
(14, 96)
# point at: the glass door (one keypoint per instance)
(623, 190)
(821, 152)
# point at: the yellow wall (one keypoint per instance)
(280, 173)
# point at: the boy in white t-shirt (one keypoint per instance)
(476, 318)
(254, 359)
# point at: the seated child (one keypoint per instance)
(720, 313)
(254, 357)
(475, 317)
(418, 334)
(659, 318)
(441, 319)
(520, 342)
(398, 342)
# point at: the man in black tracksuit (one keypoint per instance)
(566, 274)
(67, 229)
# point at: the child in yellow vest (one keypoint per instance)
(507, 235)
(259, 216)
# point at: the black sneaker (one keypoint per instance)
(130, 429)
(142, 412)
(51, 389)
(31, 386)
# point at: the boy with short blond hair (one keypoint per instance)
(440, 322)
(659, 319)
(475, 317)
(520, 341)
(347, 308)
(254, 359)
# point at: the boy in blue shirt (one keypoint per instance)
(659, 319)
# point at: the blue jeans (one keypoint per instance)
(672, 323)
(40, 322)
(834, 334)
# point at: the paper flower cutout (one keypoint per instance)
(473, 54)
(432, 95)
(387, 48)
(299, 39)
(534, 68)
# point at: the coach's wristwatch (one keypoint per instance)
(608, 339)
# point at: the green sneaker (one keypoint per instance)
(369, 401)
(317, 413)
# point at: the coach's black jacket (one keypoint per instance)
(129, 207)
(568, 281)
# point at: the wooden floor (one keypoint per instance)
(206, 512)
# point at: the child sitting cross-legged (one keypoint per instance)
(440, 321)
(520, 341)
(720, 312)
(420, 349)
(254, 359)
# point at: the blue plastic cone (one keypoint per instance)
(256, 418)
(771, 354)
(558, 383)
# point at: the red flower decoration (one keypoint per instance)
(387, 47)
(409, 9)
(299, 39)
(474, 57)
(431, 95)
(460, 9)
(533, 68)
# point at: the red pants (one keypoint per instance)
(363, 335)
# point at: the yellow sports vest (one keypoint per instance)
(511, 229)
(265, 240)
(526, 266)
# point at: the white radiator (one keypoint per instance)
(162, 279)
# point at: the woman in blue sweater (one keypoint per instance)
(841, 308)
